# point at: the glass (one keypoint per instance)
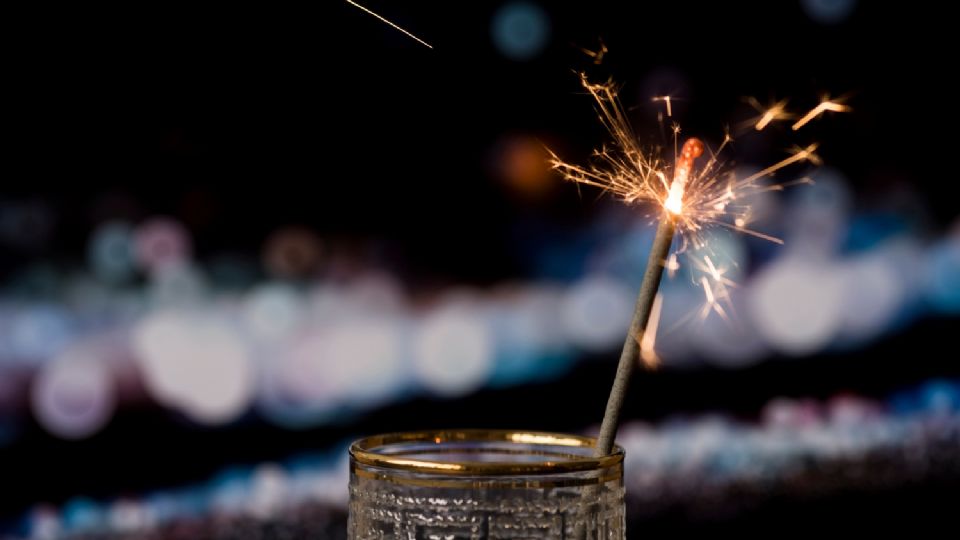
(473, 484)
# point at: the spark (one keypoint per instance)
(391, 23)
(598, 54)
(672, 265)
(799, 154)
(711, 197)
(777, 111)
(718, 274)
(699, 199)
(713, 299)
(648, 354)
(667, 100)
(825, 105)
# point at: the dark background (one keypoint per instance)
(241, 119)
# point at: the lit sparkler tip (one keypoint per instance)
(692, 149)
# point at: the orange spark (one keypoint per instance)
(825, 105)
(672, 265)
(800, 155)
(777, 111)
(665, 99)
(647, 353)
(598, 54)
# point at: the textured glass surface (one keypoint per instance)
(389, 502)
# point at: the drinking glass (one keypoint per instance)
(473, 484)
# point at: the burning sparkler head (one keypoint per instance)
(711, 195)
(692, 149)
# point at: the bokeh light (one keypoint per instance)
(274, 311)
(39, 332)
(797, 306)
(453, 350)
(73, 396)
(829, 11)
(596, 313)
(161, 242)
(817, 216)
(730, 342)
(197, 363)
(292, 252)
(177, 285)
(110, 252)
(521, 164)
(943, 276)
(520, 30)
(875, 294)
(365, 358)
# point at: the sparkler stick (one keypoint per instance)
(692, 149)
(631, 348)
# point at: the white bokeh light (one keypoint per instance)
(596, 313)
(197, 363)
(796, 305)
(269, 491)
(873, 295)
(274, 311)
(453, 350)
(369, 356)
(306, 376)
(358, 362)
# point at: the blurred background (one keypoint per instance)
(233, 239)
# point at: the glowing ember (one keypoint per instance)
(692, 149)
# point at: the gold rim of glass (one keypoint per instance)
(365, 451)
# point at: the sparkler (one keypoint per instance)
(691, 202)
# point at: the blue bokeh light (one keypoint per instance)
(828, 11)
(520, 30)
